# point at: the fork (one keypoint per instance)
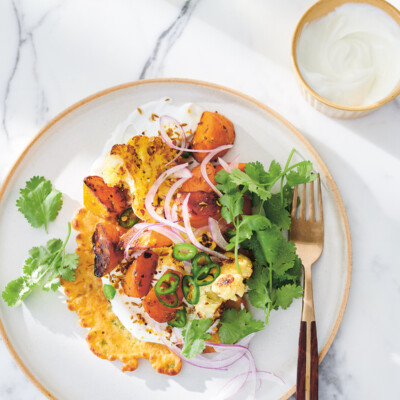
(308, 236)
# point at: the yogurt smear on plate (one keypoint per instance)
(351, 56)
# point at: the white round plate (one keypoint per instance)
(45, 337)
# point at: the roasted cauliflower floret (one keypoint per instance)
(208, 303)
(227, 286)
(136, 165)
(245, 264)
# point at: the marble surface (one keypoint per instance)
(55, 52)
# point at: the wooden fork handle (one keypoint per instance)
(307, 364)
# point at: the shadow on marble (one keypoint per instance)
(255, 25)
(382, 127)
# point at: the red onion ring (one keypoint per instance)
(142, 227)
(218, 362)
(189, 231)
(168, 197)
(174, 212)
(157, 227)
(207, 159)
(216, 233)
(234, 163)
(152, 192)
(167, 139)
(224, 165)
(257, 374)
(199, 231)
(167, 232)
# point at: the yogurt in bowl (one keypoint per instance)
(347, 56)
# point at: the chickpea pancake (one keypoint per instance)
(107, 337)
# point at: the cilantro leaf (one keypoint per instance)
(109, 291)
(258, 288)
(235, 325)
(303, 174)
(225, 183)
(286, 294)
(276, 265)
(279, 253)
(232, 206)
(42, 270)
(253, 183)
(195, 336)
(276, 211)
(16, 291)
(245, 229)
(39, 202)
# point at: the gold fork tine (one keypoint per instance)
(294, 202)
(303, 203)
(311, 206)
(320, 210)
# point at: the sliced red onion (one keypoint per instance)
(140, 228)
(152, 192)
(207, 159)
(182, 173)
(216, 233)
(174, 212)
(167, 139)
(234, 163)
(189, 231)
(199, 231)
(167, 232)
(235, 385)
(168, 197)
(243, 343)
(157, 227)
(217, 362)
(224, 165)
(164, 119)
(228, 390)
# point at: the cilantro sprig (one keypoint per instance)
(42, 270)
(39, 202)
(277, 269)
(235, 325)
(195, 336)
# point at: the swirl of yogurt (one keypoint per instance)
(351, 56)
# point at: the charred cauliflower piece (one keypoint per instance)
(135, 166)
(208, 303)
(245, 264)
(227, 286)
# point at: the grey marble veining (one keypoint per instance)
(56, 52)
(166, 40)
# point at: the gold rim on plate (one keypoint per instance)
(235, 93)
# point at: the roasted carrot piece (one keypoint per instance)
(107, 255)
(201, 205)
(197, 182)
(158, 311)
(103, 200)
(213, 130)
(138, 277)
